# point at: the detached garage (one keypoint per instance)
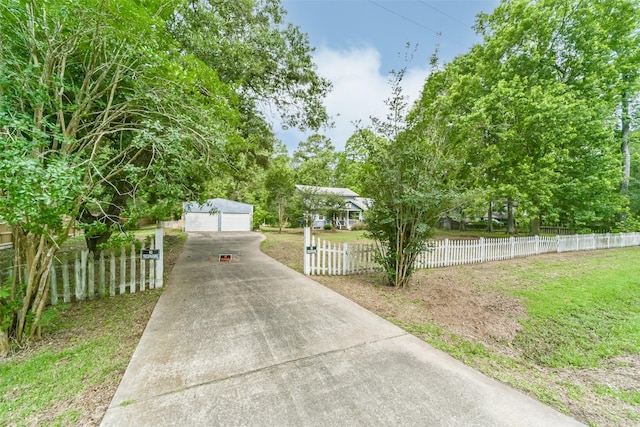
(218, 215)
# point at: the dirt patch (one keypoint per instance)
(455, 298)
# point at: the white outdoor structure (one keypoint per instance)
(217, 215)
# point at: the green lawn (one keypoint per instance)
(579, 317)
(90, 345)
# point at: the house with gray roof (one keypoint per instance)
(352, 208)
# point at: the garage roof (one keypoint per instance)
(219, 205)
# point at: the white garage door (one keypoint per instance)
(236, 222)
(198, 221)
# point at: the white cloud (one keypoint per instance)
(359, 90)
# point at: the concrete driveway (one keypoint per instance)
(253, 343)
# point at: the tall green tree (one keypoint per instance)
(582, 57)
(95, 104)
(351, 166)
(314, 162)
(280, 187)
(249, 44)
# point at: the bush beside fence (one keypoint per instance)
(326, 258)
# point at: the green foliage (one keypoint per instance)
(314, 162)
(351, 168)
(358, 226)
(120, 240)
(249, 44)
(541, 109)
(280, 188)
(412, 172)
(630, 224)
(8, 305)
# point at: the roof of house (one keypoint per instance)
(218, 205)
(363, 203)
(344, 192)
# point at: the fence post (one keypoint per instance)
(84, 255)
(482, 250)
(314, 257)
(66, 288)
(152, 270)
(123, 270)
(160, 261)
(346, 263)
(446, 253)
(112, 273)
(76, 268)
(132, 270)
(537, 239)
(512, 242)
(143, 274)
(101, 274)
(91, 276)
(307, 244)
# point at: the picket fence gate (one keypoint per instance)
(79, 276)
(326, 258)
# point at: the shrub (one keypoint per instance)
(359, 226)
(328, 227)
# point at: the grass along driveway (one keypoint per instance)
(564, 328)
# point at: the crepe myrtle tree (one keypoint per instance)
(411, 171)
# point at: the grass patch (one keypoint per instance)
(631, 397)
(87, 347)
(581, 317)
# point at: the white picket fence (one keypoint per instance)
(326, 258)
(80, 276)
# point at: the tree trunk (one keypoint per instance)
(624, 144)
(511, 224)
(4, 343)
(33, 259)
(490, 217)
(535, 226)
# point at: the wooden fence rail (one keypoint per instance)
(79, 276)
(6, 238)
(326, 258)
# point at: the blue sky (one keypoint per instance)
(358, 42)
